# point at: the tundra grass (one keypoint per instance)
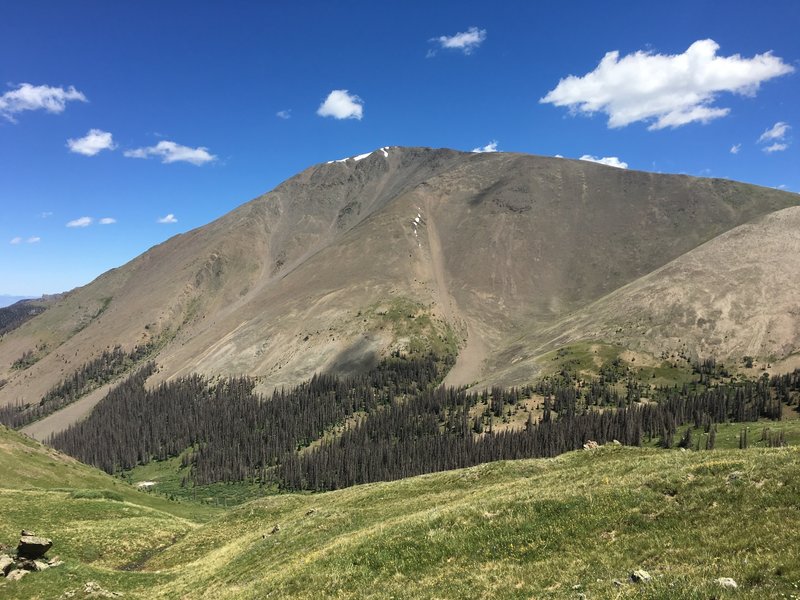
(544, 528)
(548, 528)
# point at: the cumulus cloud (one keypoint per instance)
(340, 104)
(284, 114)
(490, 147)
(170, 218)
(776, 132)
(92, 143)
(171, 152)
(665, 90)
(37, 97)
(735, 148)
(611, 161)
(80, 222)
(34, 239)
(15, 240)
(466, 41)
(776, 147)
(107, 221)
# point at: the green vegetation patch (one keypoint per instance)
(412, 324)
(171, 479)
(547, 528)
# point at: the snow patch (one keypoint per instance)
(358, 157)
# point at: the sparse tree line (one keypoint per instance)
(99, 371)
(399, 423)
(433, 432)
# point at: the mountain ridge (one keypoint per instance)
(490, 251)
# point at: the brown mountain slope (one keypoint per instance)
(737, 295)
(327, 270)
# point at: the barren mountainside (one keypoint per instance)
(500, 256)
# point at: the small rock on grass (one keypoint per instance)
(727, 583)
(6, 564)
(641, 576)
(16, 575)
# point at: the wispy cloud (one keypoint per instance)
(665, 90)
(776, 147)
(735, 148)
(37, 97)
(284, 114)
(170, 218)
(777, 135)
(341, 104)
(34, 239)
(92, 143)
(107, 221)
(46, 214)
(490, 147)
(80, 222)
(171, 152)
(776, 132)
(466, 41)
(611, 161)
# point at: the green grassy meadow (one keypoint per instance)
(544, 528)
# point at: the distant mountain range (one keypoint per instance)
(499, 258)
(6, 300)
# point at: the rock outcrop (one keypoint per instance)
(29, 557)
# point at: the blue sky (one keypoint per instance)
(169, 111)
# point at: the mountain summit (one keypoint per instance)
(495, 257)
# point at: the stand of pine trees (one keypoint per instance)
(234, 434)
(398, 423)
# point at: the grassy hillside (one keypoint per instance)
(98, 524)
(521, 529)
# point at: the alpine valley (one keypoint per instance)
(422, 373)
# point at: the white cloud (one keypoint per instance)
(776, 147)
(93, 142)
(37, 97)
(490, 147)
(170, 218)
(107, 221)
(340, 104)
(664, 90)
(558, 156)
(611, 161)
(34, 239)
(466, 41)
(15, 240)
(735, 148)
(284, 114)
(81, 222)
(46, 214)
(171, 152)
(776, 132)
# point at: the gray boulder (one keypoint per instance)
(33, 547)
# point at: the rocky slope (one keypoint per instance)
(502, 255)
